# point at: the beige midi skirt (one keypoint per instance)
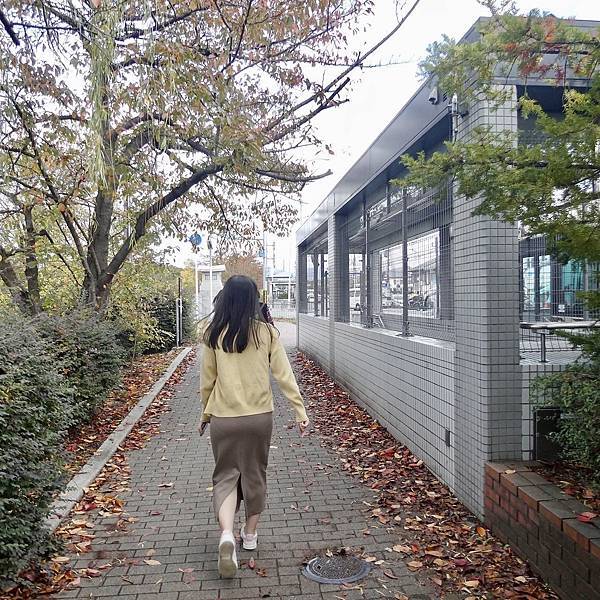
(240, 446)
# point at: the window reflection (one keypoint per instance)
(529, 283)
(314, 264)
(423, 277)
(357, 287)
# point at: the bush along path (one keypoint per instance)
(75, 536)
(441, 540)
(55, 372)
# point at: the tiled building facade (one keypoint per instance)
(414, 304)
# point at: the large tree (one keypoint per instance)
(125, 120)
(247, 264)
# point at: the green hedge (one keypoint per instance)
(54, 372)
(163, 310)
(90, 356)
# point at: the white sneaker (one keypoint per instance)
(249, 541)
(227, 564)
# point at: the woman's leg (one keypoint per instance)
(227, 511)
(227, 564)
(251, 524)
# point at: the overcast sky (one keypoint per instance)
(381, 93)
(378, 94)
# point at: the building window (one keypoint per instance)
(550, 289)
(369, 266)
(313, 281)
(423, 277)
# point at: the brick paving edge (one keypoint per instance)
(74, 490)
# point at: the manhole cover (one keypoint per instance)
(336, 569)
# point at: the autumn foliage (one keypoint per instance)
(128, 121)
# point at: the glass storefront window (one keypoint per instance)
(322, 295)
(551, 289)
(357, 296)
(545, 279)
(572, 282)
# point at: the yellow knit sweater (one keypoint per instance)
(238, 384)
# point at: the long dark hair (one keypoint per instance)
(236, 316)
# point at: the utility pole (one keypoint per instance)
(264, 244)
(210, 271)
(196, 284)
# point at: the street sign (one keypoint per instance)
(195, 239)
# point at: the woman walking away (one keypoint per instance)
(240, 350)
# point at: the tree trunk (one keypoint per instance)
(95, 293)
(9, 277)
(32, 274)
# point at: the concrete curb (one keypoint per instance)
(75, 488)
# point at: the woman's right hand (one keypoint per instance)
(303, 426)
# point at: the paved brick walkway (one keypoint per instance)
(312, 506)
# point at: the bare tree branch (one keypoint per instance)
(282, 176)
(136, 33)
(334, 82)
(149, 213)
(8, 27)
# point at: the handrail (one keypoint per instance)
(550, 327)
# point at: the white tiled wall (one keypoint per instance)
(314, 337)
(486, 296)
(407, 384)
(418, 387)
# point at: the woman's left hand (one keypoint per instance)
(202, 427)
(303, 426)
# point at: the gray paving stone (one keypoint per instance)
(184, 535)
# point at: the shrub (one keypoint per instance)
(163, 310)
(576, 391)
(90, 357)
(35, 413)
(54, 373)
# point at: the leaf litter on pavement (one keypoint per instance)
(137, 380)
(101, 500)
(437, 536)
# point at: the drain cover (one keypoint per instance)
(336, 569)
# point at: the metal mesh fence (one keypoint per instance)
(551, 292)
(283, 310)
(397, 262)
(394, 255)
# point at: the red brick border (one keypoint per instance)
(540, 522)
